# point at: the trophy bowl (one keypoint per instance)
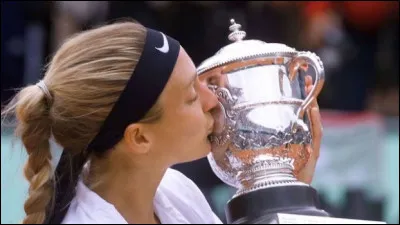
(263, 134)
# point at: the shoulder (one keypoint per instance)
(174, 178)
(182, 187)
(89, 208)
(187, 198)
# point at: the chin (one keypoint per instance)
(207, 150)
(199, 152)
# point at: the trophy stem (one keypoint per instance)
(262, 206)
(271, 174)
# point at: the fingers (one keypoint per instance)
(316, 130)
(308, 87)
(308, 80)
(307, 173)
(308, 84)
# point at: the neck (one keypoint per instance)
(130, 190)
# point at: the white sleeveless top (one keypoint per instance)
(177, 201)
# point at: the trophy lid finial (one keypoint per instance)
(240, 49)
(237, 34)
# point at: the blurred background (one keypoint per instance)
(358, 172)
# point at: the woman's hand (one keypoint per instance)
(307, 173)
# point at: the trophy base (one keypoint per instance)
(261, 206)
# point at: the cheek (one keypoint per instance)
(191, 124)
(183, 137)
(181, 126)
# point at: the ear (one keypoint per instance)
(137, 138)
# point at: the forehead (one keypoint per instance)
(182, 74)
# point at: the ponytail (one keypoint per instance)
(34, 127)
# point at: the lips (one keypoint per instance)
(219, 119)
(209, 138)
(218, 123)
(209, 132)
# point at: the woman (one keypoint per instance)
(125, 103)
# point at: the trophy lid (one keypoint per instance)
(243, 49)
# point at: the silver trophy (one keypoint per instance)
(263, 132)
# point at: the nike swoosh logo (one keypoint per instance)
(165, 47)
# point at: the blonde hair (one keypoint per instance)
(85, 78)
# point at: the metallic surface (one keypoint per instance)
(263, 137)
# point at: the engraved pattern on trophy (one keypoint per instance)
(226, 100)
(263, 136)
(264, 141)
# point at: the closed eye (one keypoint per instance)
(194, 99)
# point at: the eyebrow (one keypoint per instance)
(191, 81)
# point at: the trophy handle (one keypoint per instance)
(225, 100)
(302, 61)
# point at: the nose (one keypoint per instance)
(208, 99)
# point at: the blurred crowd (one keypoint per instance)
(357, 41)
